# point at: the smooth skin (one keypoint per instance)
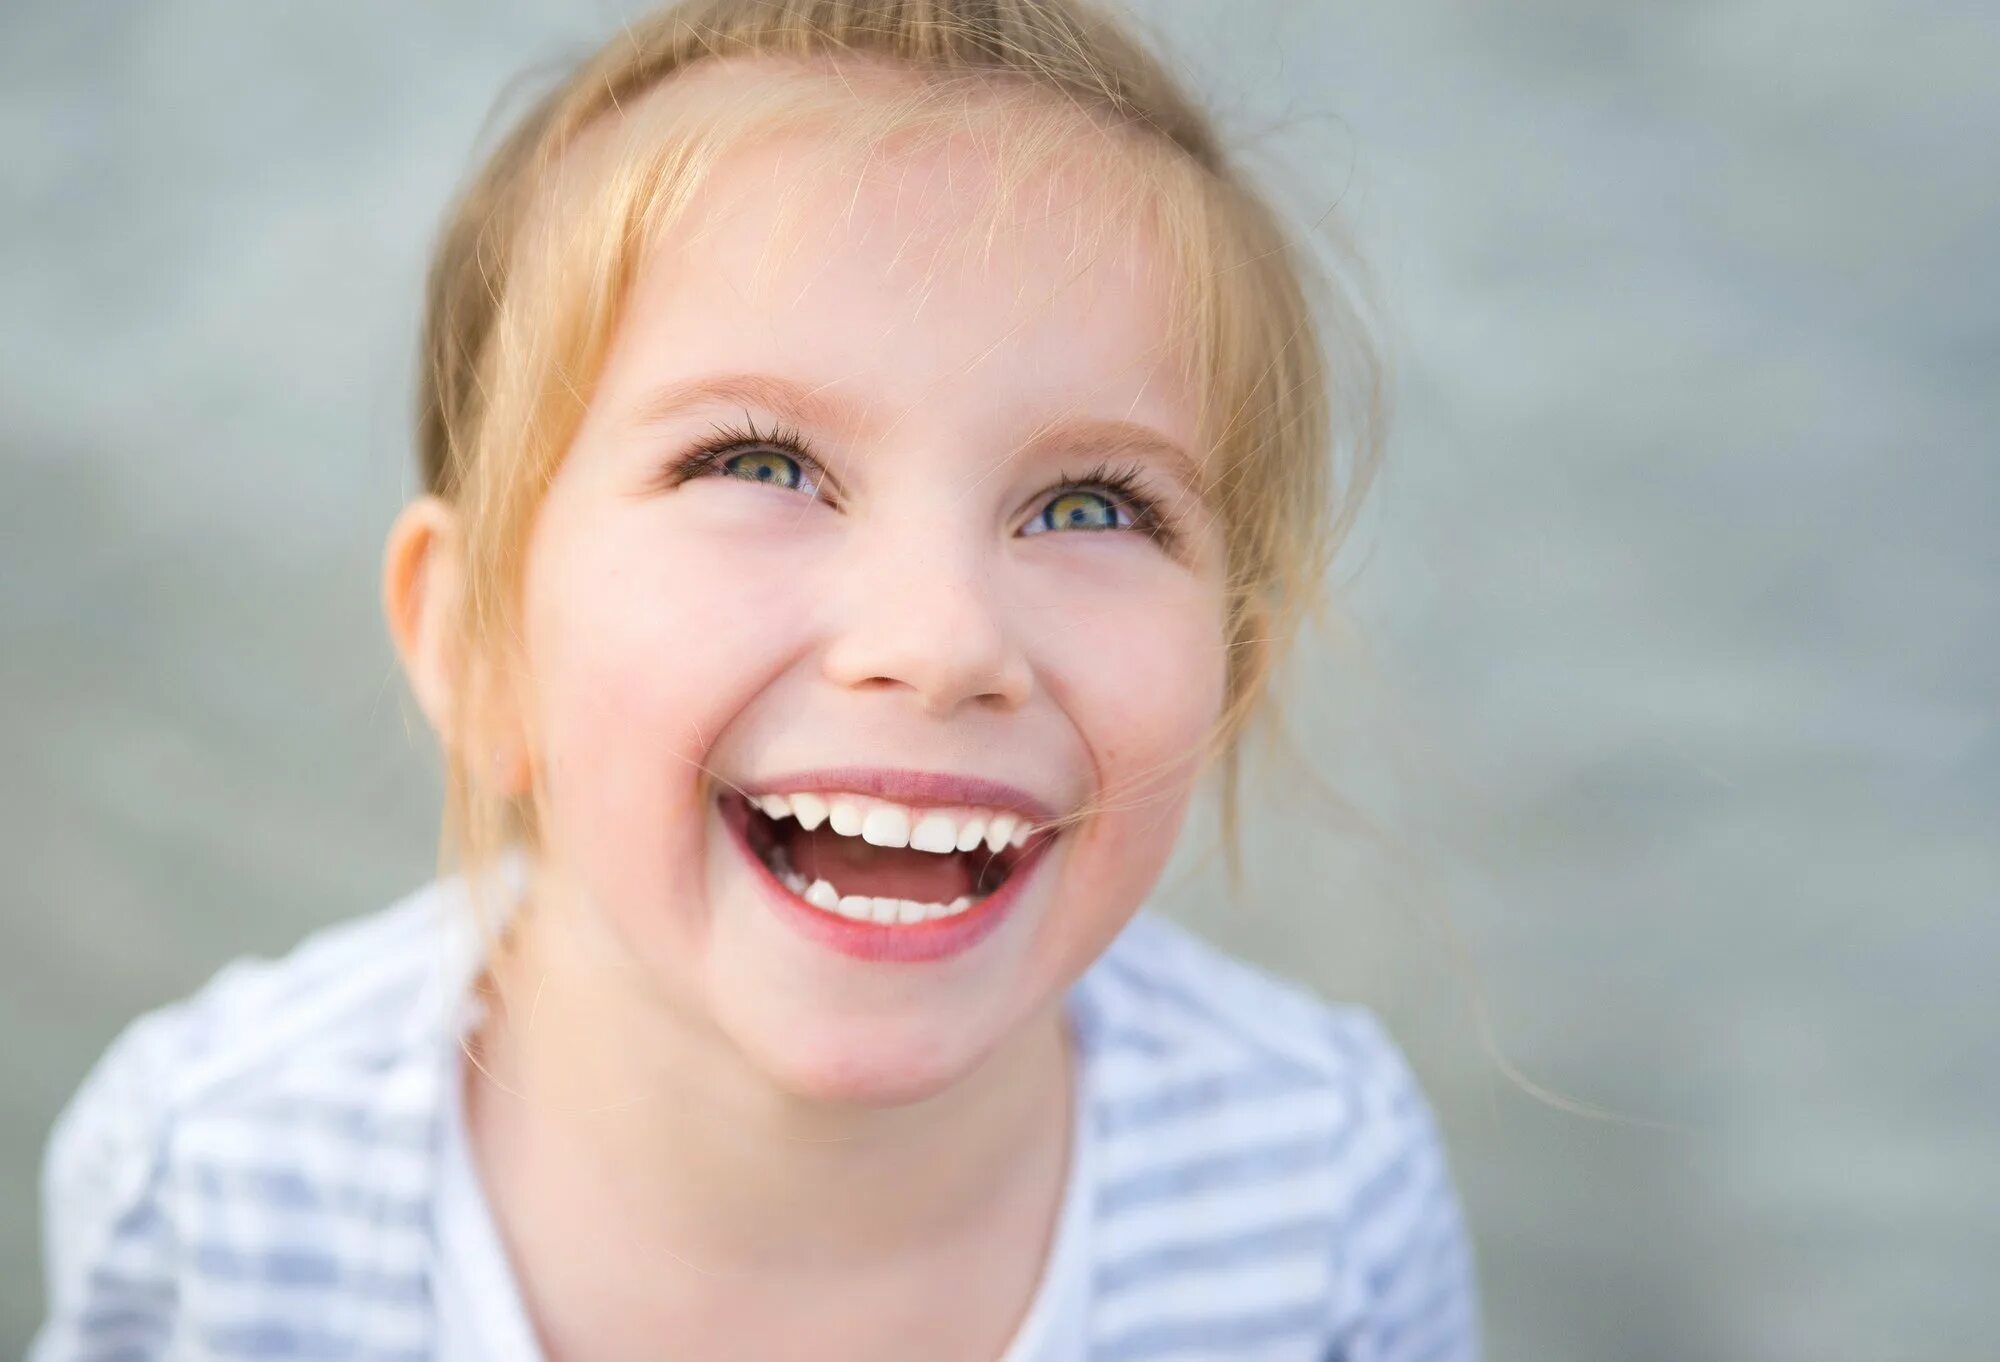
(702, 1126)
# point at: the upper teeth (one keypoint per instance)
(883, 824)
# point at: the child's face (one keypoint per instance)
(939, 608)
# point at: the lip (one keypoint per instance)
(918, 789)
(937, 939)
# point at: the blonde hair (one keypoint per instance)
(522, 301)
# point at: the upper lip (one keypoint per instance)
(917, 789)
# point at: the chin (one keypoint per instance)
(874, 1065)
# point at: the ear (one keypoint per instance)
(422, 578)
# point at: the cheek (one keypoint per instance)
(1153, 705)
(646, 639)
(1137, 658)
(1145, 693)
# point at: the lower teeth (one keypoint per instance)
(861, 907)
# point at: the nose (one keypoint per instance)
(926, 620)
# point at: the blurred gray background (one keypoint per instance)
(1674, 709)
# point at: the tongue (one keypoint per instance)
(852, 866)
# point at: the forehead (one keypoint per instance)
(1035, 153)
(1015, 247)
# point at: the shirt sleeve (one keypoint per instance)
(107, 1238)
(1406, 1257)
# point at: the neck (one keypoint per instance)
(692, 1150)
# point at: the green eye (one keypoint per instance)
(765, 465)
(1078, 510)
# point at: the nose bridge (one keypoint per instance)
(921, 607)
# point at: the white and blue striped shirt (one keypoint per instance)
(275, 1168)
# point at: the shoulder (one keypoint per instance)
(234, 1106)
(1198, 1003)
(1262, 1143)
(340, 999)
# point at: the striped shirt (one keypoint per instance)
(276, 1167)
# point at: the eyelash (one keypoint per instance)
(1122, 482)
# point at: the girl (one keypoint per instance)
(875, 451)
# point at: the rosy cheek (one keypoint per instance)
(656, 628)
(598, 649)
(1150, 671)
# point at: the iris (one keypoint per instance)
(765, 465)
(1079, 510)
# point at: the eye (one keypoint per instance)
(780, 459)
(762, 463)
(1109, 496)
(765, 465)
(1079, 508)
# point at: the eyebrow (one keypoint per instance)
(800, 404)
(1102, 438)
(792, 401)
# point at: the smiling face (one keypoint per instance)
(937, 560)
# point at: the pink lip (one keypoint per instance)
(915, 788)
(936, 939)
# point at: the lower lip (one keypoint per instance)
(935, 939)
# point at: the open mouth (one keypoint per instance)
(871, 860)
